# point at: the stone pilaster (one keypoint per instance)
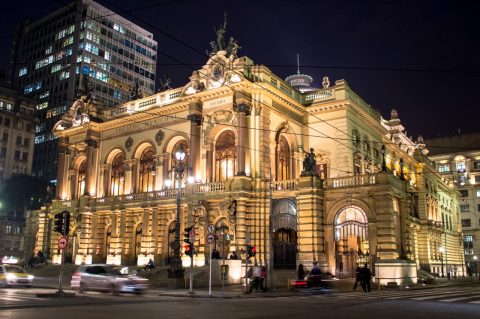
(386, 231)
(92, 163)
(62, 168)
(195, 134)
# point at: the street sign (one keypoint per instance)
(211, 228)
(191, 235)
(62, 242)
(210, 238)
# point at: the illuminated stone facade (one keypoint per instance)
(374, 198)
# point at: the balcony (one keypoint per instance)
(352, 181)
(286, 185)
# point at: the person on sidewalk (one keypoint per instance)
(301, 272)
(255, 277)
(263, 276)
(358, 277)
(366, 277)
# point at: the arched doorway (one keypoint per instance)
(138, 242)
(284, 220)
(351, 240)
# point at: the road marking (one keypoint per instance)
(459, 298)
(475, 302)
(433, 296)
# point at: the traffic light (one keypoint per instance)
(251, 251)
(66, 219)
(62, 223)
(189, 249)
(58, 223)
(186, 235)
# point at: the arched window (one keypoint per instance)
(147, 170)
(355, 138)
(225, 155)
(283, 157)
(173, 160)
(117, 176)
(82, 171)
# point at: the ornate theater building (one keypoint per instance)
(304, 174)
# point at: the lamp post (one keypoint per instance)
(442, 250)
(176, 270)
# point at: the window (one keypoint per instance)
(24, 156)
(147, 170)
(478, 193)
(7, 122)
(26, 142)
(443, 168)
(477, 179)
(478, 207)
(466, 223)
(82, 172)
(22, 71)
(5, 137)
(464, 192)
(464, 208)
(225, 156)
(476, 165)
(19, 140)
(17, 155)
(283, 159)
(3, 153)
(460, 166)
(117, 177)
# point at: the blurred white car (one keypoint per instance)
(107, 278)
(11, 275)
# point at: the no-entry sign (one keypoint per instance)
(62, 242)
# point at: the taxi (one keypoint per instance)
(12, 275)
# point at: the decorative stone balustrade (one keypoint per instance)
(208, 188)
(351, 181)
(287, 185)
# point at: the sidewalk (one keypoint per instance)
(338, 286)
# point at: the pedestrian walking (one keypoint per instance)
(301, 272)
(263, 276)
(448, 272)
(358, 277)
(366, 277)
(256, 278)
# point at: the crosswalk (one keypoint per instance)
(470, 295)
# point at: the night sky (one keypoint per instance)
(421, 57)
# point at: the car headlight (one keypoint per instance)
(11, 276)
(30, 277)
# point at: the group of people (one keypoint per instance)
(257, 276)
(216, 255)
(364, 277)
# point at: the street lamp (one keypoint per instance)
(442, 250)
(176, 270)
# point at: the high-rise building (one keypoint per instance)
(53, 56)
(457, 159)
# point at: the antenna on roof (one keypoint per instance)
(298, 63)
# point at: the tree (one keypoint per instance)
(24, 192)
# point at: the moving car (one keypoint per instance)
(102, 277)
(12, 275)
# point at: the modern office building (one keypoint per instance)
(81, 44)
(308, 177)
(457, 159)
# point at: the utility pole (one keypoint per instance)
(270, 241)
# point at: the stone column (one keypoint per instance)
(195, 133)
(62, 168)
(72, 185)
(209, 163)
(129, 183)
(242, 111)
(386, 232)
(90, 175)
(165, 168)
(101, 181)
(241, 226)
(158, 178)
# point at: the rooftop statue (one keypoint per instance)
(309, 164)
(220, 34)
(233, 48)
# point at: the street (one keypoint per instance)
(445, 302)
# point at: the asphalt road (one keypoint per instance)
(452, 302)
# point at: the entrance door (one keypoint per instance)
(285, 249)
